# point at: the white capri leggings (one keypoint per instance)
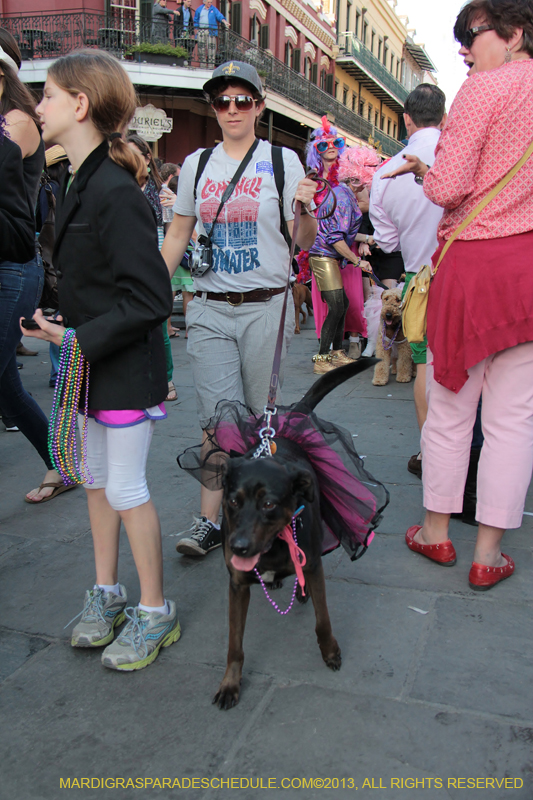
(116, 458)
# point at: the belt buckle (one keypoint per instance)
(241, 301)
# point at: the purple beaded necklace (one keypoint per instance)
(298, 566)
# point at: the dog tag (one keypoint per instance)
(273, 448)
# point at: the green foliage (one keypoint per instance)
(158, 50)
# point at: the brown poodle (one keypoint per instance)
(301, 294)
(392, 342)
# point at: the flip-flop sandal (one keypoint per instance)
(59, 488)
(173, 335)
(172, 392)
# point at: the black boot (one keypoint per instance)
(468, 514)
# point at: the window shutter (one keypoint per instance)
(330, 84)
(236, 18)
(314, 73)
(265, 39)
(296, 60)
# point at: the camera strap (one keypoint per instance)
(231, 186)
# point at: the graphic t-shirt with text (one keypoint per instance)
(249, 251)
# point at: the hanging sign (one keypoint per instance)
(151, 122)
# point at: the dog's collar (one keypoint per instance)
(392, 340)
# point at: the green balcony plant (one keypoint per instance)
(146, 48)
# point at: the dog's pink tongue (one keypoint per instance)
(245, 564)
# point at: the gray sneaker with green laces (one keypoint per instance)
(102, 612)
(141, 640)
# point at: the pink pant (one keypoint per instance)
(505, 382)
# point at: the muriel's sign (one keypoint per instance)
(151, 122)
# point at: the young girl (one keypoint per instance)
(114, 292)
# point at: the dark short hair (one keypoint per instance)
(167, 171)
(505, 16)
(426, 105)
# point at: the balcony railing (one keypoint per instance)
(353, 48)
(53, 35)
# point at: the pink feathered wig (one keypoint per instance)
(359, 162)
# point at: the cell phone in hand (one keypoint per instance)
(31, 325)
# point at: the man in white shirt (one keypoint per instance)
(403, 217)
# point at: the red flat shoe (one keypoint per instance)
(482, 578)
(442, 553)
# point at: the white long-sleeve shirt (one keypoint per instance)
(403, 217)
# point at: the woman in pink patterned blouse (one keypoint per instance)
(480, 311)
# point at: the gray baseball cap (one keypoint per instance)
(238, 71)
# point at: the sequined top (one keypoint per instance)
(489, 128)
(342, 225)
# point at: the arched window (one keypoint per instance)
(307, 68)
(323, 79)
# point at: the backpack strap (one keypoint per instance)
(279, 177)
(205, 155)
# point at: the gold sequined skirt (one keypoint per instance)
(327, 273)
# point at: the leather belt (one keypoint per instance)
(238, 298)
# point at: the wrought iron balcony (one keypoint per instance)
(53, 35)
(358, 61)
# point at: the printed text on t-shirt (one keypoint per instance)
(235, 235)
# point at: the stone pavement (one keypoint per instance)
(423, 702)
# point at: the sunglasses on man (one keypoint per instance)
(243, 102)
(322, 147)
(471, 34)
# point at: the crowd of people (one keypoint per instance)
(124, 230)
(191, 28)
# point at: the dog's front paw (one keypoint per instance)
(332, 655)
(227, 696)
(334, 661)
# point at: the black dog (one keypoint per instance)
(260, 498)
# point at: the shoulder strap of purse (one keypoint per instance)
(486, 200)
(232, 184)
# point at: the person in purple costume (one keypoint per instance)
(332, 251)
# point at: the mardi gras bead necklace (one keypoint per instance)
(72, 375)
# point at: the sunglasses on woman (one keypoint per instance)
(243, 102)
(471, 34)
(336, 143)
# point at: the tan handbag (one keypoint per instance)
(415, 302)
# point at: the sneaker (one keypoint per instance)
(354, 350)
(323, 364)
(12, 428)
(203, 538)
(143, 637)
(339, 358)
(102, 612)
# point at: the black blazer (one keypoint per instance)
(178, 23)
(113, 285)
(17, 226)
